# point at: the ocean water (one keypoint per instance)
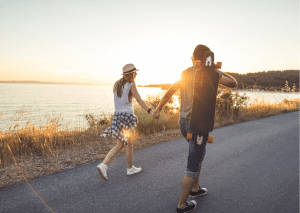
(268, 97)
(35, 103)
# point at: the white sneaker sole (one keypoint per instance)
(101, 174)
(134, 173)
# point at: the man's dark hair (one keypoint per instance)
(199, 51)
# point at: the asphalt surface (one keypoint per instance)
(250, 167)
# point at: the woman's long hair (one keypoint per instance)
(119, 85)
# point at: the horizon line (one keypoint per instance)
(86, 83)
(51, 82)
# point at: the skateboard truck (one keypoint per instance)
(198, 140)
(190, 137)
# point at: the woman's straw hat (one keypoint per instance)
(129, 68)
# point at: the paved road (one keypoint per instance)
(251, 167)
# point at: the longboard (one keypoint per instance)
(204, 101)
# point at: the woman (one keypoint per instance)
(124, 120)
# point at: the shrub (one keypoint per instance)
(228, 104)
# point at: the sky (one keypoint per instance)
(89, 41)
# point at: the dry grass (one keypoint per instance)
(90, 150)
(50, 148)
(261, 109)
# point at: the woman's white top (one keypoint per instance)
(122, 104)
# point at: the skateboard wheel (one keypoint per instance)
(210, 139)
(218, 65)
(189, 136)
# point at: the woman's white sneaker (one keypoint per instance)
(134, 170)
(102, 169)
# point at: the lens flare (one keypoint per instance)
(27, 180)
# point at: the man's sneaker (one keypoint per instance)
(134, 170)
(102, 169)
(201, 192)
(190, 206)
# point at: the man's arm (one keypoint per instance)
(166, 98)
(227, 80)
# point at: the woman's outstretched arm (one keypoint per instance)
(137, 97)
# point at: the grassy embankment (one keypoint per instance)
(51, 147)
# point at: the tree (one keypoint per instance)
(294, 88)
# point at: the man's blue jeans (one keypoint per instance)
(195, 157)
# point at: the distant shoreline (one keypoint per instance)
(161, 86)
(72, 83)
(45, 82)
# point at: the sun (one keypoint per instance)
(161, 59)
(164, 75)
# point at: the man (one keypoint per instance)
(190, 183)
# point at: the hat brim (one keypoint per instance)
(129, 72)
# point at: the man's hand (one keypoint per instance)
(152, 113)
(156, 114)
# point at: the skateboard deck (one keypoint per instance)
(204, 101)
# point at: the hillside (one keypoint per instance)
(269, 81)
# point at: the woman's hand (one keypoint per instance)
(151, 112)
(156, 114)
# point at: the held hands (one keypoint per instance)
(155, 114)
(152, 113)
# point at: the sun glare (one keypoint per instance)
(161, 78)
